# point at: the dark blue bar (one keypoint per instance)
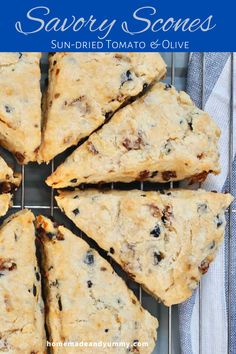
(164, 25)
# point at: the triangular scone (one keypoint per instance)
(21, 307)
(9, 182)
(86, 300)
(164, 241)
(86, 88)
(161, 137)
(20, 104)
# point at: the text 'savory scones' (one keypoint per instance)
(161, 137)
(9, 182)
(164, 241)
(21, 307)
(86, 88)
(20, 104)
(86, 300)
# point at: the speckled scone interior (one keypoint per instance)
(86, 300)
(160, 137)
(21, 307)
(86, 88)
(20, 104)
(165, 242)
(9, 182)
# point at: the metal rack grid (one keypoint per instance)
(171, 345)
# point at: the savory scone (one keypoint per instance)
(21, 306)
(9, 182)
(86, 88)
(20, 104)
(86, 300)
(165, 242)
(161, 137)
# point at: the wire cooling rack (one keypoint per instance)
(35, 195)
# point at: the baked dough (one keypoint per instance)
(21, 307)
(9, 182)
(161, 137)
(86, 88)
(5, 203)
(165, 242)
(20, 104)
(86, 300)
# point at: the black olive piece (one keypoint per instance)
(212, 245)
(157, 257)
(20, 55)
(167, 87)
(106, 330)
(37, 275)
(1, 275)
(90, 284)
(59, 303)
(168, 147)
(89, 258)
(76, 197)
(219, 221)
(108, 115)
(128, 75)
(54, 283)
(75, 211)
(112, 251)
(156, 231)
(154, 174)
(190, 124)
(34, 290)
(202, 208)
(74, 180)
(164, 219)
(145, 86)
(50, 235)
(8, 109)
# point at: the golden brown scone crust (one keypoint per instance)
(7, 175)
(9, 182)
(85, 88)
(86, 300)
(164, 241)
(161, 137)
(5, 203)
(20, 104)
(21, 307)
